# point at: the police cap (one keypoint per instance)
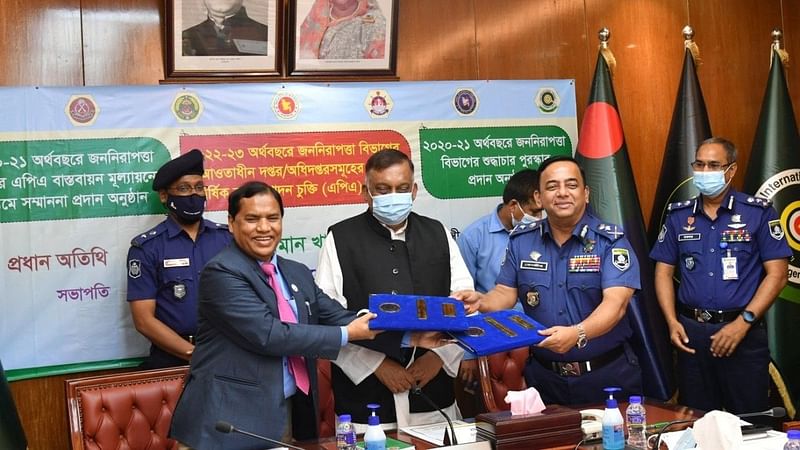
(187, 164)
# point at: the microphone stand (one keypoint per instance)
(416, 390)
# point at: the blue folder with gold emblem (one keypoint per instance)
(416, 313)
(499, 331)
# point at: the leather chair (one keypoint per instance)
(131, 410)
(327, 416)
(500, 373)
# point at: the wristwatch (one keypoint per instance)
(748, 316)
(582, 340)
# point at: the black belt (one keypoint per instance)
(188, 338)
(578, 368)
(708, 315)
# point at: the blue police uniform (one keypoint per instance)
(483, 246)
(164, 264)
(562, 285)
(720, 263)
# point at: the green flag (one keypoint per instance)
(12, 437)
(774, 173)
(604, 157)
(688, 129)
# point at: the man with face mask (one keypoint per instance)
(389, 249)
(731, 253)
(164, 263)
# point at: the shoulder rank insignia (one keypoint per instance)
(140, 239)
(613, 232)
(759, 201)
(679, 205)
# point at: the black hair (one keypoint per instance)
(730, 149)
(521, 185)
(560, 158)
(388, 157)
(251, 189)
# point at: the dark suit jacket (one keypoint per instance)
(237, 366)
(204, 39)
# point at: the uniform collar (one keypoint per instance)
(727, 203)
(495, 225)
(587, 222)
(174, 229)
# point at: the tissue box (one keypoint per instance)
(555, 426)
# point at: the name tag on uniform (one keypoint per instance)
(533, 265)
(177, 262)
(689, 237)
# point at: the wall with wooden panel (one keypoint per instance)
(115, 42)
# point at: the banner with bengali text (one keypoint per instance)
(77, 164)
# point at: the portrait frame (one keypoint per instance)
(194, 50)
(305, 46)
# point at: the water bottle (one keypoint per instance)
(374, 438)
(794, 440)
(613, 425)
(345, 433)
(636, 417)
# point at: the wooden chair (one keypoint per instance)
(327, 416)
(500, 373)
(131, 410)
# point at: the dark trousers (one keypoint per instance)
(738, 383)
(623, 372)
(160, 359)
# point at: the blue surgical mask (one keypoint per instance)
(187, 208)
(392, 209)
(710, 184)
(527, 219)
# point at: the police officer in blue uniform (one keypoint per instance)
(164, 263)
(576, 275)
(732, 257)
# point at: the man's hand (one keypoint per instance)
(394, 376)
(677, 334)
(358, 329)
(471, 299)
(725, 341)
(424, 368)
(429, 339)
(559, 339)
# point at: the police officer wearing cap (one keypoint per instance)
(732, 257)
(164, 263)
(574, 274)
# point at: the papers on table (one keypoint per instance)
(434, 433)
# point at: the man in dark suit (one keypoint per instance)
(227, 31)
(252, 366)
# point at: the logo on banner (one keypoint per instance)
(285, 105)
(465, 101)
(379, 104)
(82, 110)
(783, 188)
(187, 107)
(547, 100)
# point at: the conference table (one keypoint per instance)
(657, 412)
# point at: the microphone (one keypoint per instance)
(776, 412)
(225, 427)
(416, 390)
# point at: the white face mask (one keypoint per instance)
(526, 218)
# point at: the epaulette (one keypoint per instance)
(612, 232)
(221, 226)
(679, 205)
(525, 228)
(140, 239)
(757, 201)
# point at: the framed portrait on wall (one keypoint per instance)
(342, 37)
(223, 38)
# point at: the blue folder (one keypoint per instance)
(416, 313)
(499, 331)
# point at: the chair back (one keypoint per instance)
(327, 416)
(126, 411)
(500, 373)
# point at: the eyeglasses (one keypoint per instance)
(700, 165)
(186, 189)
